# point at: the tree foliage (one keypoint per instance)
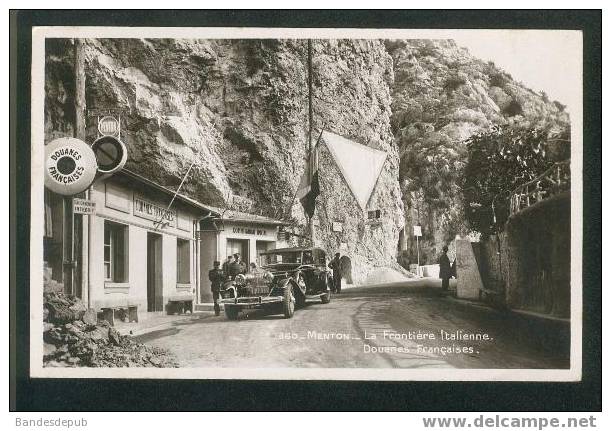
(502, 159)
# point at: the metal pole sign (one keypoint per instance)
(110, 153)
(109, 126)
(418, 234)
(70, 166)
(83, 206)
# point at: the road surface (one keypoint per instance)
(399, 325)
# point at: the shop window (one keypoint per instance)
(183, 261)
(115, 252)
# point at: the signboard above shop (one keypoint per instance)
(249, 230)
(154, 212)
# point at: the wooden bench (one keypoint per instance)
(180, 304)
(127, 312)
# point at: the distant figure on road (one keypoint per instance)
(336, 266)
(226, 265)
(445, 270)
(216, 277)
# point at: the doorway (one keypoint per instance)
(154, 267)
(238, 246)
(346, 268)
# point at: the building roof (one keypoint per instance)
(179, 197)
(290, 249)
(244, 217)
(227, 215)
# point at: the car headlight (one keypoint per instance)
(240, 279)
(268, 277)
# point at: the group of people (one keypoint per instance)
(233, 266)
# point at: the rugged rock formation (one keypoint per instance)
(239, 110)
(441, 96)
(352, 98)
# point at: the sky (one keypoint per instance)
(544, 60)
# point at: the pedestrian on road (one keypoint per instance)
(335, 265)
(445, 270)
(216, 277)
(226, 265)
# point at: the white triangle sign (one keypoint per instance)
(360, 165)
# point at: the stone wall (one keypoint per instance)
(529, 264)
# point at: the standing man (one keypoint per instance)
(237, 266)
(216, 277)
(226, 265)
(445, 270)
(337, 273)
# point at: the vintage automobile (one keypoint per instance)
(287, 278)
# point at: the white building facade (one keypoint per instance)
(137, 250)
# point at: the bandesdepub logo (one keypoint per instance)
(70, 166)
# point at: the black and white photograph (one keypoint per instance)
(306, 204)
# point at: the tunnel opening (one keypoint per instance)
(346, 269)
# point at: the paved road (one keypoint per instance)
(394, 325)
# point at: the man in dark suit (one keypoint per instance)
(216, 277)
(336, 266)
(445, 269)
(226, 265)
(237, 266)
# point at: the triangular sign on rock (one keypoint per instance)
(359, 164)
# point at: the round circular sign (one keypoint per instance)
(70, 166)
(108, 126)
(110, 154)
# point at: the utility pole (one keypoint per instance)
(73, 282)
(310, 166)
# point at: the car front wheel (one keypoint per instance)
(288, 304)
(231, 312)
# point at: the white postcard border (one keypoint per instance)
(39, 34)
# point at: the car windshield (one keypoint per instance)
(284, 257)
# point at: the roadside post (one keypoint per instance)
(418, 234)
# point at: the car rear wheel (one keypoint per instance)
(231, 312)
(288, 304)
(300, 297)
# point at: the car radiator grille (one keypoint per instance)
(253, 291)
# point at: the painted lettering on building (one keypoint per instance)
(151, 211)
(249, 231)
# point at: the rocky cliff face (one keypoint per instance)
(239, 110)
(441, 96)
